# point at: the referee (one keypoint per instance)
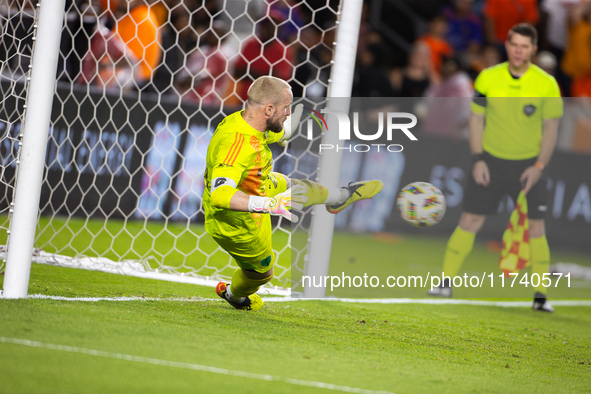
(512, 132)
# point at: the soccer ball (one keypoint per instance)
(421, 204)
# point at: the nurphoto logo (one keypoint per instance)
(392, 128)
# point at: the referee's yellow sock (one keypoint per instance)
(540, 259)
(458, 248)
(241, 286)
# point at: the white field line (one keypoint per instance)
(183, 365)
(430, 301)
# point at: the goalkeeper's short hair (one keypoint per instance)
(267, 90)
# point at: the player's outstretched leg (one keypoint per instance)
(337, 199)
(357, 191)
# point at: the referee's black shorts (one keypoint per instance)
(504, 179)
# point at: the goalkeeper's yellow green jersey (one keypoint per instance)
(514, 109)
(238, 152)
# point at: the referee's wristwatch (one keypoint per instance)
(477, 157)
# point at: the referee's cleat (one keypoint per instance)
(251, 303)
(358, 191)
(541, 303)
(443, 290)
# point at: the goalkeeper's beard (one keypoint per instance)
(274, 126)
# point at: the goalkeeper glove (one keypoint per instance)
(291, 124)
(280, 204)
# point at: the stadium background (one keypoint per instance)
(130, 131)
(94, 332)
(391, 35)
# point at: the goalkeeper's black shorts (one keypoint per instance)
(504, 179)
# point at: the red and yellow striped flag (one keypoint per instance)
(516, 253)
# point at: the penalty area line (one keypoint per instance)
(191, 366)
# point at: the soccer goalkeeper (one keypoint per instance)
(241, 192)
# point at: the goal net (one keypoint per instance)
(16, 21)
(141, 87)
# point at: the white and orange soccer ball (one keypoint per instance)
(421, 204)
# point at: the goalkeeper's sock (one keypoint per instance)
(540, 260)
(344, 196)
(232, 297)
(458, 248)
(318, 194)
(241, 286)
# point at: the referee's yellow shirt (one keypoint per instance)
(514, 109)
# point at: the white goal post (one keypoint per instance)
(115, 182)
(34, 142)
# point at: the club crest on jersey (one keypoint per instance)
(529, 109)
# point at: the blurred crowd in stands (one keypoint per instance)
(462, 37)
(199, 52)
(459, 39)
(173, 46)
(192, 49)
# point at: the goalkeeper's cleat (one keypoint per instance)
(363, 190)
(443, 290)
(541, 303)
(251, 303)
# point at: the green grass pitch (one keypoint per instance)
(180, 338)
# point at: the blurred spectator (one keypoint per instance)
(111, 9)
(107, 63)
(178, 39)
(464, 27)
(286, 11)
(312, 69)
(204, 11)
(576, 62)
(436, 41)
(489, 56)
(574, 133)
(263, 54)
(371, 79)
(367, 34)
(205, 77)
(455, 82)
(140, 31)
(449, 118)
(556, 13)
(501, 15)
(415, 78)
(81, 20)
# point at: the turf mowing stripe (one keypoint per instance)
(430, 301)
(196, 367)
